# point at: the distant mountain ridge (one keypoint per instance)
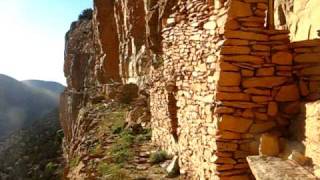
(47, 85)
(22, 102)
(50, 87)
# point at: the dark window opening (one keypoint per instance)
(173, 110)
(282, 16)
(270, 18)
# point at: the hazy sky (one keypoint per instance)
(32, 36)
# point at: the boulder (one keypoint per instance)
(128, 93)
(173, 169)
(299, 158)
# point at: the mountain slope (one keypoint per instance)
(20, 104)
(34, 152)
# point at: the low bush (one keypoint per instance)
(158, 157)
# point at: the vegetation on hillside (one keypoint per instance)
(34, 152)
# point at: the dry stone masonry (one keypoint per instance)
(183, 87)
(234, 80)
(222, 80)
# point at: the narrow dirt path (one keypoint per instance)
(108, 151)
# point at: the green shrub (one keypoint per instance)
(121, 150)
(122, 156)
(117, 127)
(158, 157)
(111, 171)
(86, 14)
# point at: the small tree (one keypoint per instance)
(86, 14)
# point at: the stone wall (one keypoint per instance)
(255, 82)
(232, 80)
(184, 82)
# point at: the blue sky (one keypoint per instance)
(32, 37)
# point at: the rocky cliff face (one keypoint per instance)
(79, 69)
(301, 17)
(219, 77)
(128, 36)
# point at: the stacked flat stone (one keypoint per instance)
(307, 67)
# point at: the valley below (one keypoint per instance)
(30, 132)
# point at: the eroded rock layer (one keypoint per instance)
(79, 71)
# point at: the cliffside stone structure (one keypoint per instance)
(224, 77)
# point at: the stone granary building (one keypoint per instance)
(227, 79)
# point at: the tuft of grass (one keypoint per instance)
(50, 167)
(114, 121)
(121, 151)
(117, 127)
(96, 150)
(118, 121)
(74, 162)
(158, 157)
(111, 171)
(144, 136)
